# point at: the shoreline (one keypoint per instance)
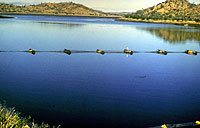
(183, 23)
(117, 18)
(48, 14)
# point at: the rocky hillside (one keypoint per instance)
(170, 10)
(64, 8)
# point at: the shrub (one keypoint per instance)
(9, 118)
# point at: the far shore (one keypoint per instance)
(50, 14)
(183, 23)
(118, 18)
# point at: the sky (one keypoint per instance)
(103, 5)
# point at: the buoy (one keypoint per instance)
(100, 51)
(197, 122)
(31, 51)
(191, 52)
(127, 51)
(67, 51)
(163, 126)
(162, 52)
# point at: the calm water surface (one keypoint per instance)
(93, 90)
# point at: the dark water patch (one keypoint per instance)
(140, 77)
(1, 16)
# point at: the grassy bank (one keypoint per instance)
(9, 118)
(184, 23)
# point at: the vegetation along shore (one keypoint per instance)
(9, 118)
(169, 12)
(184, 23)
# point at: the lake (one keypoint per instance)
(93, 90)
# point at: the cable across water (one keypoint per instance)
(126, 51)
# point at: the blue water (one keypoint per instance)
(93, 90)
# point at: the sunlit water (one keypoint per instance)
(93, 90)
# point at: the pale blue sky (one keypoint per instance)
(103, 5)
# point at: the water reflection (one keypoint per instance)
(174, 34)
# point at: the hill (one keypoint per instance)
(63, 8)
(179, 10)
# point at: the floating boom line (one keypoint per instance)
(126, 51)
(195, 124)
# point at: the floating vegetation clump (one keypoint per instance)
(9, 118)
